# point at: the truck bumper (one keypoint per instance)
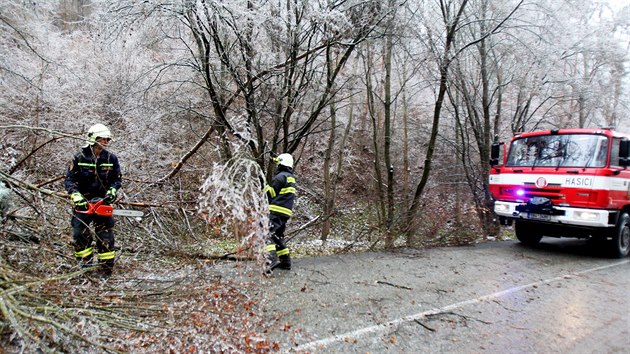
(572, 216)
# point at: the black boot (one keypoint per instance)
(85, 262)
(285, 262)
(107, 267)
(106, 259)
(83, 255)
(271, 262)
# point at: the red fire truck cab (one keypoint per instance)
(564, 183)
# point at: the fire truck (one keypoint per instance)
(564, 183)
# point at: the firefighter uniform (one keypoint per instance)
(88, 177)
(281, 194)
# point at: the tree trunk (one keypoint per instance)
(445, 61)
(387, 107)
(328, 179)
(331, 179)
(375, 119)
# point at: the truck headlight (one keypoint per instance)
(586, 215)
(501, 208)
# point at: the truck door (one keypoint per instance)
(620, 191)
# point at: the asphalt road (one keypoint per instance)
(563, 296)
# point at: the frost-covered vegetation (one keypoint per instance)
(199, 94)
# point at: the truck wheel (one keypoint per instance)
(621, 237)
(526, 233)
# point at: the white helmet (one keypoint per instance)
(285, 160)
(98, 131)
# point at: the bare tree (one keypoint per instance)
(249, 82)
(451, 15)
(334, 157)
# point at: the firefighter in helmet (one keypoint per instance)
(94, 172)
(281, 195)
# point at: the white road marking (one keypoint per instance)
(319, 344)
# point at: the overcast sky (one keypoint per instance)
(618, 4)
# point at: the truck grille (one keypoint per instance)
(551, 193)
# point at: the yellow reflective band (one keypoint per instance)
(87, 164)
(107, 164)
(85, 253)
(107, 255)
(270, 248)
(287, 190)
(283, 252)
(290, 179)
(281, 210)
(270, 190)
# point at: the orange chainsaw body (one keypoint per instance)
(97, 207)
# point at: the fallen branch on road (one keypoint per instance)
(394, 285)
(425, 326)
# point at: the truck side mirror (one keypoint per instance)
(495, 153)
(624, 152)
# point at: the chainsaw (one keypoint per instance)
(99, 207)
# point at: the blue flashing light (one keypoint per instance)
(520, 192)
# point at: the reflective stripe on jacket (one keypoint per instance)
(281, 192)
(93, 176)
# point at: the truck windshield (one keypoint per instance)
(567, 150)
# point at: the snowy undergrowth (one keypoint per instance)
(5, 201)
(232, 202)
(149, 305)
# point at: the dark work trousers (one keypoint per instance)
(277, 225)
(103, 228)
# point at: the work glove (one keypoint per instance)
(274, 157)
(78, 201)
(110, 196)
